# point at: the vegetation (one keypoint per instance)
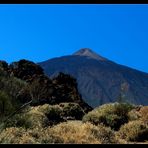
(66, 132)
(112, 115)
(36, 109)
(134, 131)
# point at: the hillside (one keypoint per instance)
(37, 110)
(99, 79)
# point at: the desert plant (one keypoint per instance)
(144, 114)
(133, 131)
(11, 135)
(78, 132)
(133, 115)
(28, 119)
(72, 110)
(54, 115)
(112, 115)
(66, 132)
(6, 106)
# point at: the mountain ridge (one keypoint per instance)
(100, 81)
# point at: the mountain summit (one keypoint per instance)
(89, 53)
(100, 80)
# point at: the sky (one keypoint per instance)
(39, 32)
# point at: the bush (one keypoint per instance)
(36, 135)
(6, 106)
(112, 115)
(12, 87)
(133, 131)
(72, 111)
(29, 119)
(18, 120)
(139, 113)
(11, 135)
(78, 132)
(45, 115)
(133, 115)
(66, 132)
(54, 115)
(15, 135)
(61, 112)
(144, 114)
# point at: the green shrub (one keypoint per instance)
(72, 111)
(61, 112)
(12, 87)
(54, 115)
(18, 120)
(45, 115)
(29, 119)
(6, 106)
(112, 115)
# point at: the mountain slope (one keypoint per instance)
(99, 79)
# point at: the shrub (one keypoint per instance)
(72, 111)
(36, 135)
(66, 132)
(11, 135)
(104, 134)
(33, 136)
(133, 131)
(15, 135)
(30, 119)
(112, 115)
(54, 115)
(133, 115)
(139, 113)
(6, 106)
(45, 115)
(18, 120)
(61, 112)
(12, 87)
(78, 132)
(144, 114)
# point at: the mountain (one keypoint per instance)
(100, 80)
(90, 54)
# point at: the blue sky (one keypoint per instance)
(42, 31)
